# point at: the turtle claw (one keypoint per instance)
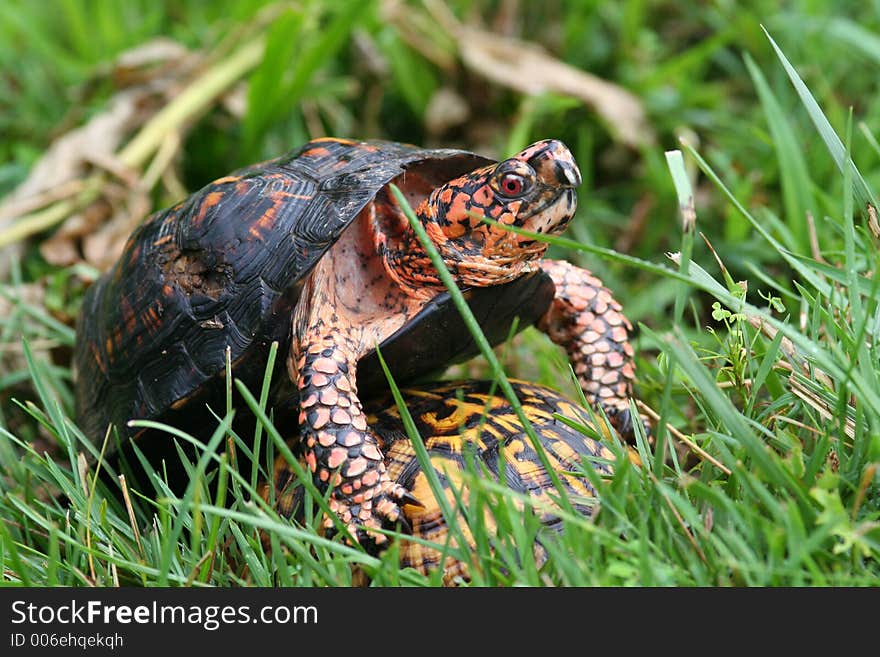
(363, 516)
(399, 496)
(405, 526)
(389, 506)
(409, 498)
(623, 421)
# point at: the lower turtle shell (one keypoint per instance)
(470, 429)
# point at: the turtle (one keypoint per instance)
(470, 430)
(312, 251)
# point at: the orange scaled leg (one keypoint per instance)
(588, 322)
(340, 450)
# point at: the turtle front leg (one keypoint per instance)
(340, 450)
(588, 322)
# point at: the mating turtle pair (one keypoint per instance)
(312, 251)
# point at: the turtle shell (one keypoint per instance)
(470, 429)
(223, 270)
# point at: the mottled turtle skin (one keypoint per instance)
(312, 251)
(470, 429)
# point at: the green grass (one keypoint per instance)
(757, 343)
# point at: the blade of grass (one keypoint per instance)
(835, 146)
(479, 339)
(449, 515)
(264, 397)
(740, 428)
(303, 476)
(169, 540)
(686, 207)
(313, 48)
(797, 193)
(11, 552)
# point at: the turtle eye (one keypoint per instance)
(512, 184)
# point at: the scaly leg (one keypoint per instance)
(340, 450)
(587, 321)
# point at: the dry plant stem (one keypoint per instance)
(131, 517)
(814, 240)
(792, 353)
(113, 570)
(647, 410)
(867, 478)
(733, 384)
(873, 224)
(44, 219)
(83, 468)
(84, 577)
(194, 572)
(12, 209)
(778, 417)
(810, 398)
(189, 104)
(820, 406)
(682, 524)
(162, 160)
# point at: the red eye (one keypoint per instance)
(511, 185)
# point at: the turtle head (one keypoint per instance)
(533, 190)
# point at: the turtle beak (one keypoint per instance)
(567, 173)
(558, 176)
(553, 163)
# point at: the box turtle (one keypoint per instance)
(470, 429)
(311, 250)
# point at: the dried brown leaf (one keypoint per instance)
(148, 61)
(68, 157)
(103, 247)
(529, 69)
(822, 407)
(148, 76)
(446, 109)
(873, 224)
(520, 65)
(796, 360)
